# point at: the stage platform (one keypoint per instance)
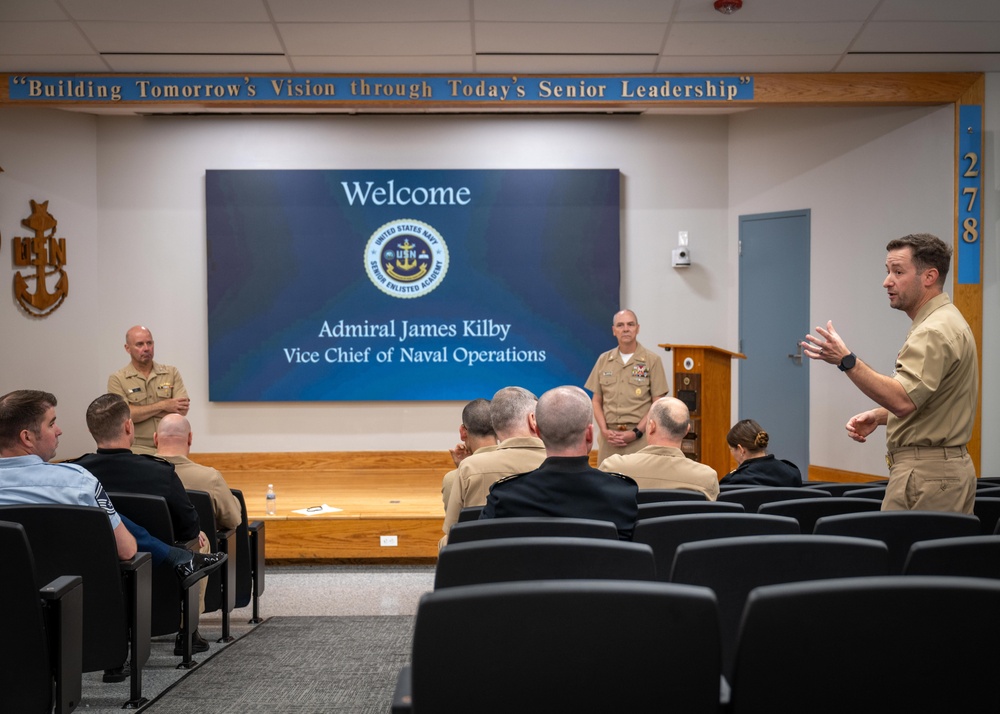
(382, 495)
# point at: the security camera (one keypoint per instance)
(681, 258)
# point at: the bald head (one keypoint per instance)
(564, 420)
(173, 436)
(669, 422)
(139, 345)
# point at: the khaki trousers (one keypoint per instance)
(930, 478)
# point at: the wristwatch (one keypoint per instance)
(638, 434)
(848, 362)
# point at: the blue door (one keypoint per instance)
(774, 317)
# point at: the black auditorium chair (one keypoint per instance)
(676, 508)
(531, 526)
(987, 510)
(834, 489)
(498, 560)
(660, 495)
(470, 513)
(563, 646)
(250, 560)
(809, 510)
(869, 644)
(751, 498)
(971, 556)
(876, 492)
(174, 609)
(732, 567)
(736, 486)
(43, 628)
(79, 540)
(667, 533)
(220, 590)
(899, 529)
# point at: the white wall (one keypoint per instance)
(151, 198)
(990, 399)
(867, 174)
(52, 156)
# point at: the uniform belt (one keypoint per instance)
(625, 427)
(939, 453)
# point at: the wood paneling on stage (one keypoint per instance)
(381, 493)
(384, 493)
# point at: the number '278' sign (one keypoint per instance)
(970, 181)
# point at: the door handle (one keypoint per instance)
(797, 357)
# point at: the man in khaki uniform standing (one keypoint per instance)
(928, 405)
(512, 412)
(662, 464)
(625, 382)
(151, 389)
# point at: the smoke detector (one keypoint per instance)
(728, 7)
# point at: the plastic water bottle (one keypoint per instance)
(271, 506)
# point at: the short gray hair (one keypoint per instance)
(562, 415)
(510, 408)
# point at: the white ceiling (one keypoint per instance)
(497, 36)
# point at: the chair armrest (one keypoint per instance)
(136, 562)
(62, 600)
(137, 576)
(257, 554)
(402, 696)
(59, 587)
(191, 545)
(225, 535)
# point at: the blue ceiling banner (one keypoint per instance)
(388, 89)
(407, 285)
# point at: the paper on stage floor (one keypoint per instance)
(316, 510)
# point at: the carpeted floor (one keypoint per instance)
(299, 664)
(160, 671)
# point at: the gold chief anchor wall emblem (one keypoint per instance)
(47, 254)
(406, 260)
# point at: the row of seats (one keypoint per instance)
(807, 505)
(121, 603)
(845, 644)
(897, 529)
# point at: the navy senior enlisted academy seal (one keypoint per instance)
(406, 258)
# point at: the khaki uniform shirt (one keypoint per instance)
(627, 392)
(196, 477)
(449, 478)
(478, 472)
(938, 368)
(665, 467)
(164, 382)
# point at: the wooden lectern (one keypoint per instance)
(703, 381)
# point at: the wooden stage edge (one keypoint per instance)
(390, 501)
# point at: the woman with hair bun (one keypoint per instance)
(748, 445)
